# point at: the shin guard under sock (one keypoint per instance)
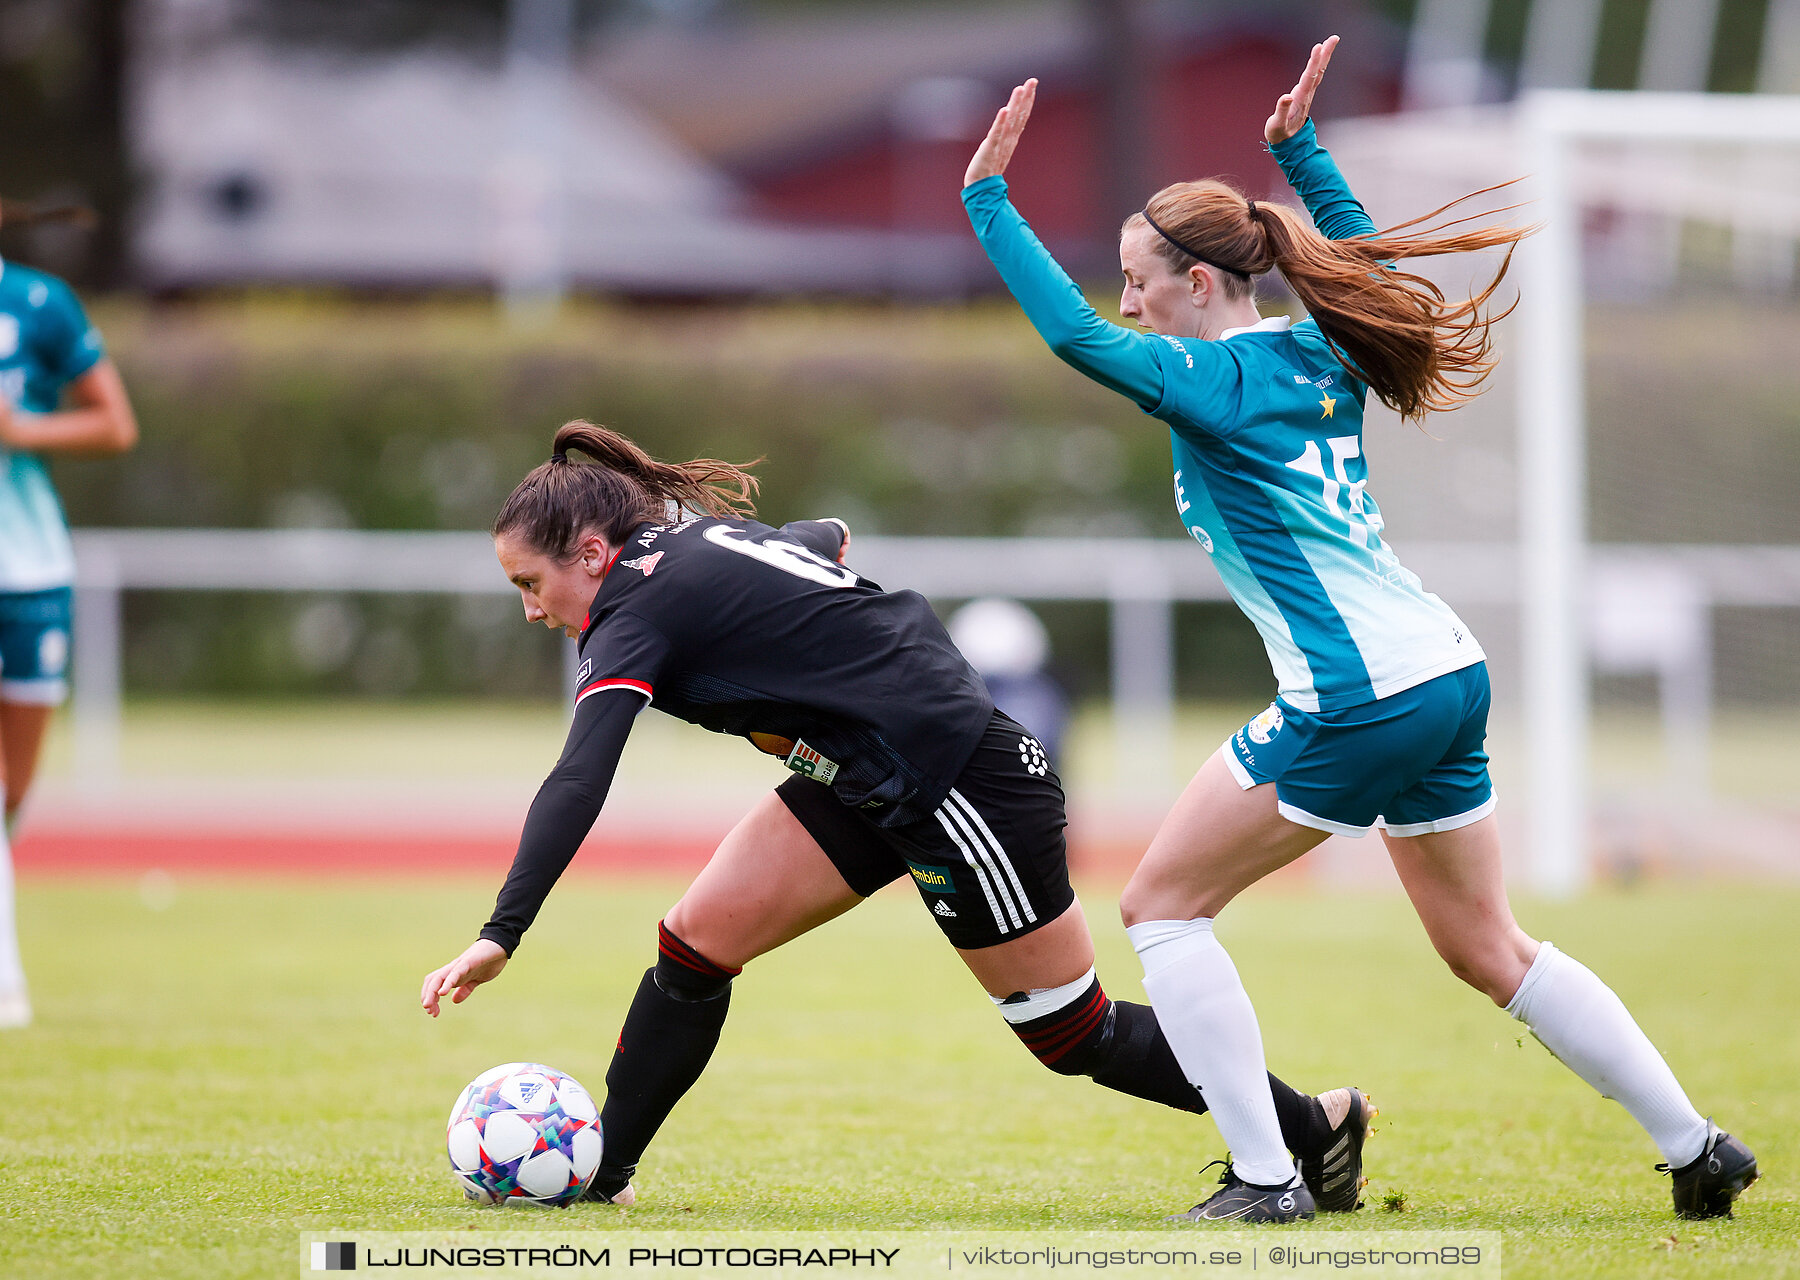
(1120, 1046)
(1587, 1027)
(686, 974)
(1211, 1026)
(669, 1036)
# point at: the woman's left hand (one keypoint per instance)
(1294, 106)
(482, 962)
(996, 150)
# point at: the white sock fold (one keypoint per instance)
(1206, 1014)
(1578, 1018)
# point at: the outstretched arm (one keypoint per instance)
(558, 822)
(1113, 356)
(1308, 167)
(564, 810)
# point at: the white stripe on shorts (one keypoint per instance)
(986, 855)
(1455, 822)
(969, 857)
(998, 851)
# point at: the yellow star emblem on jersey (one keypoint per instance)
(1327, 404)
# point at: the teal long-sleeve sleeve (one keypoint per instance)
(1111, 355)
(1315, 177)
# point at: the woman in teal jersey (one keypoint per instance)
(1382, 713)
(59, 394)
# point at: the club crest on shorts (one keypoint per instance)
(1267, 725)
(645, 565)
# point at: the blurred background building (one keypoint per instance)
(676, 150)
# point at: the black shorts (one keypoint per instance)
(991, 863)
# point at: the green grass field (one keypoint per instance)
(208, 1079)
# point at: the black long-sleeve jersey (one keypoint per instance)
(745, 629)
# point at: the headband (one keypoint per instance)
(1219, 266)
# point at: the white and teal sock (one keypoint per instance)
(1206, 1014)
(1579, 1019)
(12, 972)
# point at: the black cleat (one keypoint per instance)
(1240, 1201)
(1333, 1170)
(1706, 1186)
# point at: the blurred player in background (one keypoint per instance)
(1007, 644)
(902, 767)
(59, 394)
(1383, 704)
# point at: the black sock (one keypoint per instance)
(1122, 1047)
(669, 1036)
(1303, 1124)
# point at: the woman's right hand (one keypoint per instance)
(996, 150)
(482, 962)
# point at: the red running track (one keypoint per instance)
(252, 853)
(55, 853)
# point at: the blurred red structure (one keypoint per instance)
(1206, 120)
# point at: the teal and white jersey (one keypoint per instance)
(46, 343)
(1266, 429)
(1271, 481)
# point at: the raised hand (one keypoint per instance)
(1293, 107)
(482, 962)
(996, 150)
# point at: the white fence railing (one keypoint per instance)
(1649, 607)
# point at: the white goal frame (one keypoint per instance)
(1553, 534)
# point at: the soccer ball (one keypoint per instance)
(524, 1133)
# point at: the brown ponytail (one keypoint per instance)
(24, 213)
(1417, 352)
(562, 500)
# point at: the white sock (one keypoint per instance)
(1206, 1014)
(1579, 1019)
(12, 973)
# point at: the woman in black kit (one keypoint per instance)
(901, 766)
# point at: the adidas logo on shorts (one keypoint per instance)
(943, 909)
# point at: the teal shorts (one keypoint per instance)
(1414, 762)
(34, 646)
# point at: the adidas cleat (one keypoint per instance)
(1706, 1186)
(1240, 1201)
(1333, 1171)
